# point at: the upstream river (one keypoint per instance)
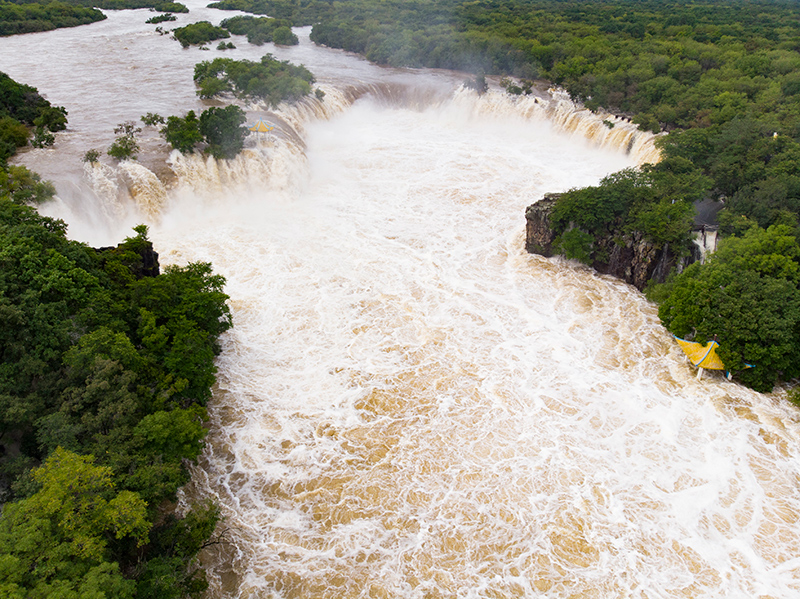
(409, 405)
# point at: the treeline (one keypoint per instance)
(159, 5)
(28, 18)
(106, 366)
(22, 110)
(297, 12)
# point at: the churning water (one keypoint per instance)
(410, 405)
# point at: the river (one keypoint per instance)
(409, 405)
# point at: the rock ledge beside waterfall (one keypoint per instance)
(630, 257)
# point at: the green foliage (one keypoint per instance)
(55, 542)
(152, 119)
(655, 201)
(268, 80)
(170, 7)
(18, 18)
(295, 12)
(13, 135)
(125, 146)
(747, 294)
(22, 186)
(224, 130)
(99, 356)
(183, 134)
(199, 33)
(161, 19)
(52, 118)
(261, 30)
(575, 245)
(283, 36)
(42, 138)
(91, 156)
(21, 107)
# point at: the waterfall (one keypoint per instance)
(272, 162)
(409, 405)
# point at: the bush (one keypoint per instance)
(224, 130)
(284, 37)
(199, 33)
(183, 134)
(161, 19)
(91, 156)
(125, 146)
(151, 119)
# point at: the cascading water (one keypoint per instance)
(411, 406)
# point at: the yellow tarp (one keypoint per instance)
(703, 356)
(261, 127)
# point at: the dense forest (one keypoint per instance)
(106, 364)
(30, 17)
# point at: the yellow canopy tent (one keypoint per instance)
(702, 356)
(705, 356)
(261, 127)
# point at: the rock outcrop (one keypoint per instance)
(147, 266)
(629, 257)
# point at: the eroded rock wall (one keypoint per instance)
(629, 257)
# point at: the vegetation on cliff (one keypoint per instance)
(106, 369)
(106, 365)
(22, 109)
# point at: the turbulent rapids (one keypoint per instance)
(408, 404)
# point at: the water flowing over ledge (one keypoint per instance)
(274, 161)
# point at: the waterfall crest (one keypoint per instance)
(277, 161)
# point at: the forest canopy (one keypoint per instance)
(106, 366)
(270, 80)
(30, 17)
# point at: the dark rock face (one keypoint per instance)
(148, 267)
(629, 257)
(539, 235)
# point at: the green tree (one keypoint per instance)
(56, 542)
(22, 186)
(125, 146)
(284, 36)
(224, 130)
(183, 134)
(747, 295)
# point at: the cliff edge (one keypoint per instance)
(629, 257)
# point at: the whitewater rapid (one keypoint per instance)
(409, 405)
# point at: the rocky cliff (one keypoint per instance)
(629, 257)
(146, 266)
